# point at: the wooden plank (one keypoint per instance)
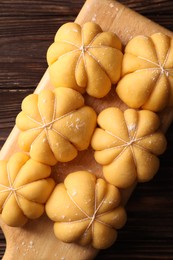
(39, 232)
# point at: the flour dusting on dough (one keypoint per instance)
(131, 127)
(111, 5)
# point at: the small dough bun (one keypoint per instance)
(24, 189)
(147, 73)
(85, 58)
(127, 145)
(86, 210)
(55, 125)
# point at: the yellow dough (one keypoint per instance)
(127, 145)
(147, 72)
(55, 125)
(85, 59)
(24, 188)
(86, 210)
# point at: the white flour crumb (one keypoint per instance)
(79, 123)
(131, 127)
(31, 243)
(111, 5)
(70, 124)
(62, 258)
(94, 18)
(166, 73)
(88, 7)
(75, 30)
(74, 193)
(23, 243)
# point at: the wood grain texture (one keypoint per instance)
(26, 30)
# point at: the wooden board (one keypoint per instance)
(36, 240)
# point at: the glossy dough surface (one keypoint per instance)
(85, 59)
(127, 145)
(147, 72)
(24, 188)
(86, 210)
(55, 125)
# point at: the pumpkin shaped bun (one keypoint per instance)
(85, 58)
(147, 73)
(55, 125)
(86, 210)
(127, 145)
(24, 188)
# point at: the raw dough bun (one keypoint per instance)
(24, 188)
(147, 73)
(55, 125)
(127, 145)
(85, 59)
(86, 210)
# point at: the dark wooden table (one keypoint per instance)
(27, 28)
